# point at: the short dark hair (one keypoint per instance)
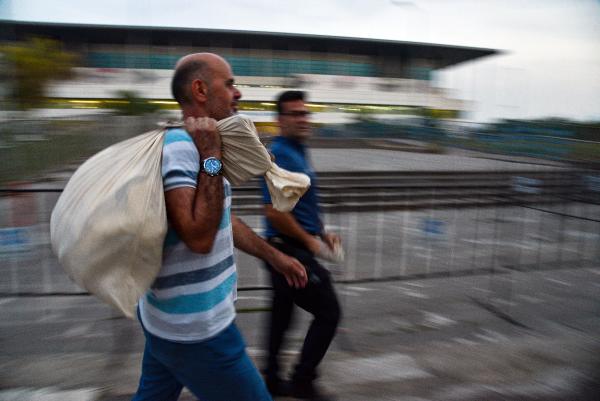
(289, 96)
(184, 75)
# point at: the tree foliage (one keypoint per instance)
(33, 65)
(132, 104)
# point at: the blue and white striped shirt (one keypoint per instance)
(193, 297)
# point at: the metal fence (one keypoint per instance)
(381, 245)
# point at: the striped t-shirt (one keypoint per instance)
(193, 296)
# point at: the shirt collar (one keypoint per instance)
(293, 143)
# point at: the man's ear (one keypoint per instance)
(199, 90)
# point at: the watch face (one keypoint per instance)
(212, 166)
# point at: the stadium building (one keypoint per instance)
(344, 76)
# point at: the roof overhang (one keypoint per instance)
(443, 55)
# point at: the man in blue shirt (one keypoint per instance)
(299, 233)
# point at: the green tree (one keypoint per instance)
(131, 104)
(32, 66)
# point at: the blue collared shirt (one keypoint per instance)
(292, 155)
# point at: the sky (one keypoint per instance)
(550, 65)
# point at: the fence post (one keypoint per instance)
(379, 238)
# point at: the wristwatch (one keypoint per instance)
(211, 166)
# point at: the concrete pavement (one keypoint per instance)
(435, 339)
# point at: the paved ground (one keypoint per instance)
(507, 336)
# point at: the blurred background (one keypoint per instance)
(458, 146)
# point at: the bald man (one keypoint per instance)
(188, 313)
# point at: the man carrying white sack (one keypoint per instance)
(188, 313)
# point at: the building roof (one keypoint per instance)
(443, 55)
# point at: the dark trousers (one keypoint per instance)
(318, 298)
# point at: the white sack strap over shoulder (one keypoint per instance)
(245, 157)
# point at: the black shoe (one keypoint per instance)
(308, 391)
(278, 387)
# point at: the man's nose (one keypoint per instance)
(237, 94)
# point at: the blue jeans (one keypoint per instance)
(217, 369)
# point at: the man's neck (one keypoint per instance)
(195, 112)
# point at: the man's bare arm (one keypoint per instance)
(195, 214)
(286, 223)
(248, 241)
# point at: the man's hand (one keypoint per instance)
(293, 271)
(313, 244)
(331, 239)
(246, 240)
(205, 134)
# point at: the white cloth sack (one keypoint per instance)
(245, 157)
(108, 226)
(285, 187)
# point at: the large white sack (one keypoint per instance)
(109, 224)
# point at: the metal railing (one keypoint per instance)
(426, 230)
